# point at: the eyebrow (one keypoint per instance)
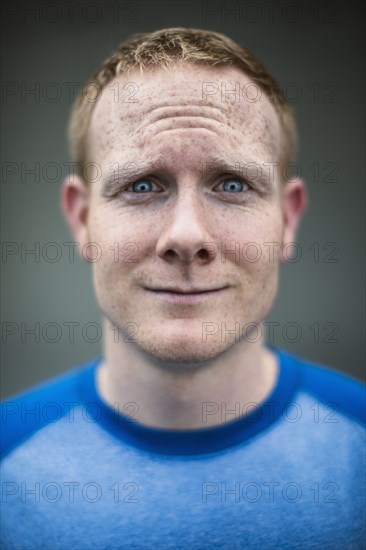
(124, 172)
(131, 171)
(257, 172)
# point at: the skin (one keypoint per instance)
(179, 228)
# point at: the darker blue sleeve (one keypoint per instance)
(348, 394)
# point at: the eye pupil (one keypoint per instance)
(142, 186)
(233, 185)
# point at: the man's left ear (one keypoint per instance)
(294, 203)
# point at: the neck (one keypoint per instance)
(183, 397)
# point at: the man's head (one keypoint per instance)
(186, 190)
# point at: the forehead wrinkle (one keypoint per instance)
(171, 124)
(231, 115)
(252, 142)
(151, 141)
(176, 106)
(184, 112)
(227, 114)
(137, 124)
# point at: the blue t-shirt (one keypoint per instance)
(79, 474)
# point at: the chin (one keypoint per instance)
(179, 350)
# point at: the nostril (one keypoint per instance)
(203, 254)
(170, 254)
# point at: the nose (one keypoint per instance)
(185, 236)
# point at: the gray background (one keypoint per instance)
(316, 46)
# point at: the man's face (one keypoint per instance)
(180, 223)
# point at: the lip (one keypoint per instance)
(186, 297)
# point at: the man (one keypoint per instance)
(189, 432)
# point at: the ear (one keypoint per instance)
(294, 203)
(75, 197)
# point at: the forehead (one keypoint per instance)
(132, 107)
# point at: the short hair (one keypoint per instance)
(163, 49)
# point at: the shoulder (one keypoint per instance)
(331, 386)
(30, 410)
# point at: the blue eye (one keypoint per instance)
(142, 186)
(233, 185)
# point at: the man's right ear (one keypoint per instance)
(75, 196)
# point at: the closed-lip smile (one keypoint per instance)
(185, 296)
(177, 290)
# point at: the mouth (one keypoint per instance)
(185, 296)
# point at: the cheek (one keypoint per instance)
(122, 239)
(252, 239)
